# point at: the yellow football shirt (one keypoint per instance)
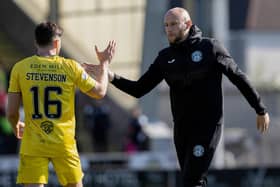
(47, 86)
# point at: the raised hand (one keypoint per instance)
(107, 54)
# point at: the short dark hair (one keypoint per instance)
(45, 32)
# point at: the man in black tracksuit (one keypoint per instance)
(193, 66)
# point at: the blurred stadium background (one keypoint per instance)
(249, 28)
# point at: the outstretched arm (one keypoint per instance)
(138, 88)
(229, 68)
(100, 71)
(143, 85)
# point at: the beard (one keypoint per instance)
(178, 38)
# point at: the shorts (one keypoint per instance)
(34, 169)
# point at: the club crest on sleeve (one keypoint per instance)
(84, 75)
(197, 56)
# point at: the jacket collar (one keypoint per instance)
(194, 36)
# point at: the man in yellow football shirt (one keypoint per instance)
(45, 84)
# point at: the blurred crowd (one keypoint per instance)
(8, 142)
(98, 122)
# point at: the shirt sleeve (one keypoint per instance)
(14, 86)
(229, 68)
(82, 80)
(143, 85)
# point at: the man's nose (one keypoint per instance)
(168, 29)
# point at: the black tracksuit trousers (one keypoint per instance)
(195, 152)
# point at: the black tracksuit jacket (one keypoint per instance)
(193, 70)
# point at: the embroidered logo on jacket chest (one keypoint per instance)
(197, 56)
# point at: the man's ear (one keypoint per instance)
(55, 44)
(188, 24)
